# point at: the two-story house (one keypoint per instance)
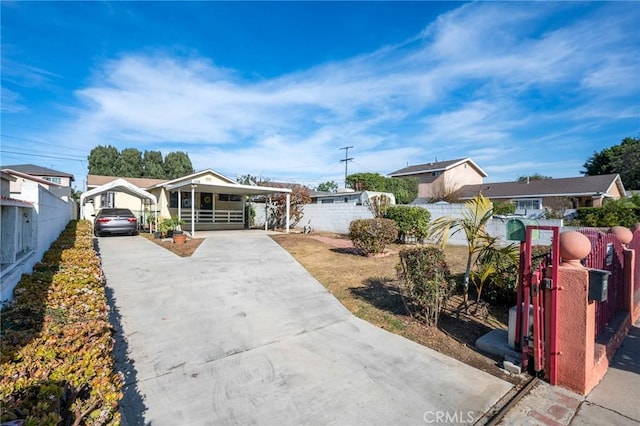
(61, 181)
(442, 180)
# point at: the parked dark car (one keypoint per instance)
(115, 221)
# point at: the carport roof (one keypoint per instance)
(122, 186)
(224, 185)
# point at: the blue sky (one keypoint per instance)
(275, 89)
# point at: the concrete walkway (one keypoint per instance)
(240, 333)
(614, 401)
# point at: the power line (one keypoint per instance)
(346, 162)
(41, 142)
(12, 147)
(41, 156)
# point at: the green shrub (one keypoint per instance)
(625, 212)
(56, 362)
(424, 282)
(372, 235)
(503, 208)
(501, 288)
(412, 221)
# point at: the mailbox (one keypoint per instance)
(517, 229)
(598, 285)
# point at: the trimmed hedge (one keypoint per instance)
(56, 361)
(412, 221)
(610, 214)
(372, 235)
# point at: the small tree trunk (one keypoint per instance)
(467, 274)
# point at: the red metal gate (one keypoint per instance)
(537, 291)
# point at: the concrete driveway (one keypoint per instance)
(240, 333)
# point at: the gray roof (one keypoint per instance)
(435, 167)
(32, 169)
(585, 185)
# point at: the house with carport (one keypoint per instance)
(205, 200)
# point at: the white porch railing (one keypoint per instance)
(211, 216)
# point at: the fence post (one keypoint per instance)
(575, 327)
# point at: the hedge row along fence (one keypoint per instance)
(56, 359)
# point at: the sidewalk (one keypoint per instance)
(615, 400)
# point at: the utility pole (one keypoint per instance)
(346, 161)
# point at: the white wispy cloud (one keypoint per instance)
(484, 80)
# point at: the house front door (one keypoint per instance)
(206, 201)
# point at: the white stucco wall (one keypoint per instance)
(337, 217)
(44, 223)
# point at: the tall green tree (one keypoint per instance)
(535, 176)
(249, 179)
(329, 186)
(129, 163)
(366, 182)
(103, 160)
(177, 164)
(153, 165)
(405, 190)
(623, 159)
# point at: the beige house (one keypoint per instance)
(205, 200)
(444, 179)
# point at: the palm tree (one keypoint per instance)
(478, 211)
(492, 260)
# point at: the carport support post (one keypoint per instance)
(193, 216)
(288, 211)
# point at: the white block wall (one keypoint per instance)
(337, 217)
(48, 219)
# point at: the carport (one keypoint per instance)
(194, 185)
(120, 185)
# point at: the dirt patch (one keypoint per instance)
(368, 287)
(182, 250)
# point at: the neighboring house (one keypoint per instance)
(32, 217)
(205, 200)
(352, 197)
(20, 179)
(443, 179)
(554, 194)
(61, 179)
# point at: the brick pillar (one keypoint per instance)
(576, 331)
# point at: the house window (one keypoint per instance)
(53, 179)
(108, 200)
(229, 197)
(327, 201)
(185, 197)
(528, 204)
(435, 174)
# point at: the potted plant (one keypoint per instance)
(171, 227)
(164, 226)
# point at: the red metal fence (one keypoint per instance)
(607, 254)
(635, 245)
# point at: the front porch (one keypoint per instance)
(208, 201)
(210, 220)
